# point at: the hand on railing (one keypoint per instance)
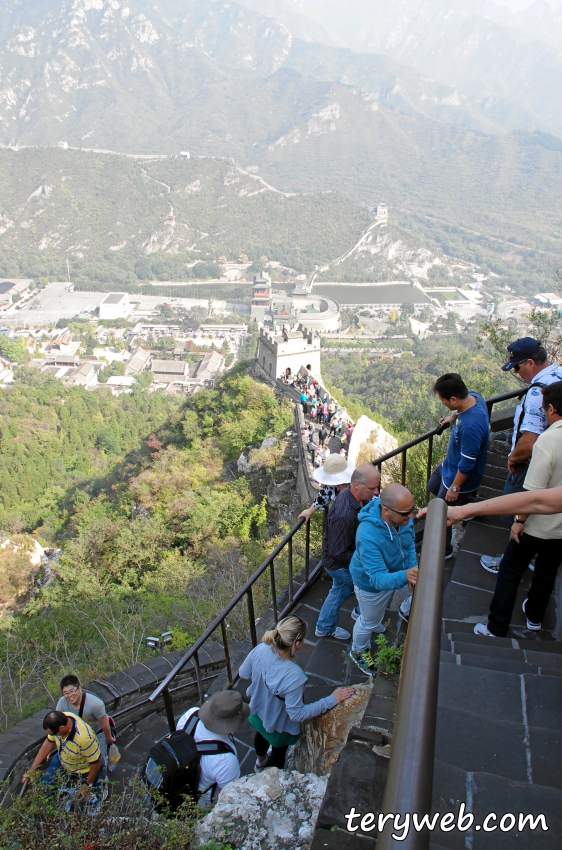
(412, 576)
(447, 420)
(341, 694)
(306, 514)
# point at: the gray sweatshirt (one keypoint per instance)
(273, 677)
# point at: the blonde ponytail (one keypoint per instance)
(288, 632)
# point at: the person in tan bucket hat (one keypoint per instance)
(220, 717)
(334, 476)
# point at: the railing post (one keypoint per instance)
(429, 469)
(226, 652)
(410, 775)
(167, 697)
(403, 473)
(252, 617)
(307, 552)
(199, 679)
(290, 556)
(273, 591)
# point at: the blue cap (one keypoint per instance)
(521, 349)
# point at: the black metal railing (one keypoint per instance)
(410, 775)
(402, 451)
(245, 596)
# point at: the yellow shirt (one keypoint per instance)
(80, 750)
(545, 471)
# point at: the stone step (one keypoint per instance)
(488, 662)
(537, 644)
(490, 492)
(480, 640)
(155, 726)
(491, 793)
(491, 649)
(484, 540)
(495, 458)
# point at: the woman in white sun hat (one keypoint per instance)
(334, 476)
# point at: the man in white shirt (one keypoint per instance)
(529, 359)
(535, 535)
(219, 718)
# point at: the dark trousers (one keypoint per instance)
(515, 561)
(437, 488)
(322, 438)
(514, 484)
(277, 757)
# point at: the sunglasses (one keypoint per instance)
(412, 512)
(518, 365)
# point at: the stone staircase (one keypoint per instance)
(499, 728)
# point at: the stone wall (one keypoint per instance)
(125, 692)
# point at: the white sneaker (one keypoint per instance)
(340, 634)
(482, 629)
(404, 610)
(534, 627)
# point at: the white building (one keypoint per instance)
(116, 305)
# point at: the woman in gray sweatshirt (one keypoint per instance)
(276, 692)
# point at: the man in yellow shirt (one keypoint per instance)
(78, 752)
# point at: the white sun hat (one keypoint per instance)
(336, 470)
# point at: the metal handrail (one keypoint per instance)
(163, 689)
(410, 774)
(435, 432)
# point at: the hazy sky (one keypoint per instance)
(517, 5)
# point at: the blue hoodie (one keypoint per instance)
(382, 553)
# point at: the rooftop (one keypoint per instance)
(114, 298)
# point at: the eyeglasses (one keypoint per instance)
(412, 512)
(70, 692)
(518, 365)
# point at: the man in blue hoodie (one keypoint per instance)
(459, 475)
(384, 561)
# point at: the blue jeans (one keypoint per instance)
(372, 607)
(52, 775)
(341, 590)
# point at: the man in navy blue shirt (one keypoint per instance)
(459, 475)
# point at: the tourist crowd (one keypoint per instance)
(369, 550)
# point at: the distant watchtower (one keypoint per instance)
(289, 349)
(382, 213)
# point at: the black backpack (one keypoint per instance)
(172, 766)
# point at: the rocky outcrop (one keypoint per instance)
(369, 441)
(273, 810)
(324, 737)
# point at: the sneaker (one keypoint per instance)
(404, 610)
(340, 634)
(259, 766)
(356, 613)
(482, 629)
(532, 565)
(534, 627)
(364, 661)
(491, 563)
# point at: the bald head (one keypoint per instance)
(365, 482)
(397, 504)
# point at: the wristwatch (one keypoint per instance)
(455, 489)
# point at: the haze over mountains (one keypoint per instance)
(450, 111)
